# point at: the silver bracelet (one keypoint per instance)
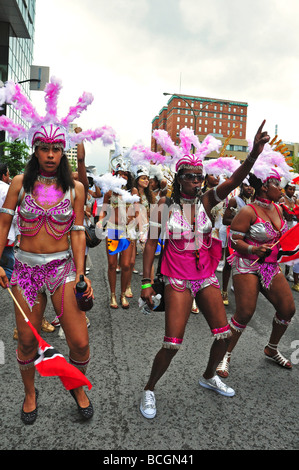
(249, 249)
(7, 211)
(78, 228)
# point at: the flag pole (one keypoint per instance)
(252, 264)
(18, 305)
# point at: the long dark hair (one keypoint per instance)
(147, 191)
(64, 174)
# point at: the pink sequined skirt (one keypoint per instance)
(265, 271)
(194, 286)
(35, 273)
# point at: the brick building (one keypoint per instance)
(222, 118)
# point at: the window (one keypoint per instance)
(178, 119)
(220, 124)
(186, 119)
(206, 130)
(199, 129)
(179, 103)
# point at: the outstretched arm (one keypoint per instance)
(223, 190)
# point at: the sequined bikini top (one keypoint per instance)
(58, 220)
(178, 223)
(262, 231)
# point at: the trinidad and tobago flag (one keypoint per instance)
(289, 246)
(50, 362)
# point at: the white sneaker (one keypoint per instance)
(290, 278)
(148, 404)
(217, 385)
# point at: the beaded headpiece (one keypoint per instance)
(48, 128)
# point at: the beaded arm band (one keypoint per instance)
(7, 211)
(78, 228)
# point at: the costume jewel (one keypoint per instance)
(47, 178)
(264, 203)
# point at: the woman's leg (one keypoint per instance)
(225, 278)
(177, 311)
(280, 296)
(27, 344)
(246, 289)
(74, 326)
(125, 264)
(210, 302)
(129, 293)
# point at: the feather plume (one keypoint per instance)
(74, 112)
(164, 140)
(15, 96)
(105, 133)
(221, 166)
(16, 131)
(109, 182)
(188, 139)
(52, 91)
(209, 145)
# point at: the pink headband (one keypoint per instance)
(191, 160)
(50, 134)
(273, 174)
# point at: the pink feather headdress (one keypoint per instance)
(181, 155)
(271, 164)
(49, 128)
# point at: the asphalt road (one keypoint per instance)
(263, 415)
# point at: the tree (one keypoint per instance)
(15, 154)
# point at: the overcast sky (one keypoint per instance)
(128, 52)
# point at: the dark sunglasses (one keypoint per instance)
(192, 177)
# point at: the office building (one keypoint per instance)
(225, 119)
(16, 47)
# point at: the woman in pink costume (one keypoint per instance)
(189, 261)
(255, 233)
(50, 207)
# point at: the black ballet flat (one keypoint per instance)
(29, 418)
(87, 412)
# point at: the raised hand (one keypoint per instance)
(261, 138)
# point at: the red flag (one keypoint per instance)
(289, 246)
(51, 363)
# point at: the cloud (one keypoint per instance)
(128, 52)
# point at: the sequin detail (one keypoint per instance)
(33, 279)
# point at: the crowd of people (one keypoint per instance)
(199, 218)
